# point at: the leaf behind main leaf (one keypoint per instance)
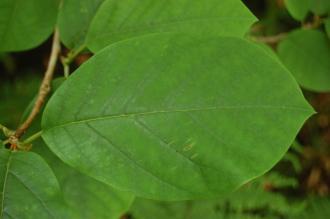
(29, 188)
(190, 118)
(306, 53)
(86, 197)
(24, 24)
(124, 19)
(298, 8)
(74, 20)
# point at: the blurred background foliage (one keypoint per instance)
(297, 187)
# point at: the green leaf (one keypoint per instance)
(74, 20)
(120, 20)
(26, 24)
(175, 122)
(306, 53)
(87, 197)
(298, 8)
(321, 7)
(29, 188)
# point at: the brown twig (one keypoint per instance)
(270, 39)
(44, 87)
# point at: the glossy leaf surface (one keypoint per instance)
(190, 118)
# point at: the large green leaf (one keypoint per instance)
(306, 53)
(190, 118)
(119, 20)
(29, 188)
(26, 24)
(298, 8)
(74, 19)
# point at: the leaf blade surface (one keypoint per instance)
(174, 123)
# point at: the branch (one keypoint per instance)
(66, 61)
(269, 39)
(44, 87)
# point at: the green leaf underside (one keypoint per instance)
(74, 20)
(28, 187)
(190, 118)
(306, 53)
(298, 8)
(24, 24)
(120, 20)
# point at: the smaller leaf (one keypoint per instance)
(29, 188)
(74, 19)
(26, 24)
(87, 197)
(124, 19)
(321, 7)
(298, 8)
(306, 53)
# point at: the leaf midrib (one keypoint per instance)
(179, 111)
(4, 183)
